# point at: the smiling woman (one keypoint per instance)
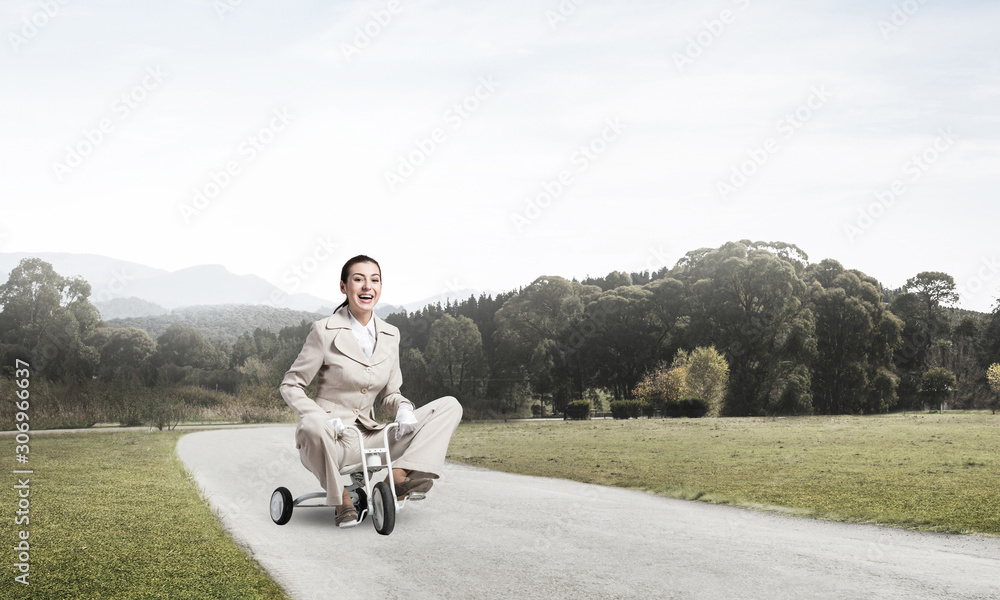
(355, 355)
(361, 282)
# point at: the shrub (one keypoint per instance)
(578, 409)
(693, 408)
(626, 409)
(672, 409)
(536, 410)
(936, 386)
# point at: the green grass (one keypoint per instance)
(926, 471)
(114, 515)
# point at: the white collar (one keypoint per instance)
(359, 328)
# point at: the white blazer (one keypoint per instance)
(349, 382)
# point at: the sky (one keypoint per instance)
(482, 144)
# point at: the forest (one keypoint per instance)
(786, 336)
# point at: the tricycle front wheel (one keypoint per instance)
(383, 508)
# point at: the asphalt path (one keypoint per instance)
(484, 534)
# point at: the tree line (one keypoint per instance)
(797, 337)
(789, 336)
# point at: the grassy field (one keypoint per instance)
(927, 471)
(113, 515)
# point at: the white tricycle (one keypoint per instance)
(379, 499)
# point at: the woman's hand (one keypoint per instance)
(337, 425)
(407, 421)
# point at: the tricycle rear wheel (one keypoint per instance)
(281, 506)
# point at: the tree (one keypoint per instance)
(616, 279)
(548, 312)
(707, 377)
(46, 318)
(123, 351)
(934, 288)
(623, 338)
(416, 384)
(541, 371)
(260, 344)
(920, 306)
(988, 342)
(455, 356)
(937, 385)
(184, 346)
(663, 385)
(993, 378)
(855, 341)
(749, 299)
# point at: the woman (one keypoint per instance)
(356, 355)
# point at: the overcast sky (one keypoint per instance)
(471, 144)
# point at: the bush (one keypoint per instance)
(626, 409)
(693, 408)
(672, 409)
(536, 410)
(936, 386)
(648, 409)
(578, 409)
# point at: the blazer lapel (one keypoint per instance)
(383, 343)
(344, 338)
(345, 341)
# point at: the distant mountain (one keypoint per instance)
(112, 279)
(123, 308)
(121, 289)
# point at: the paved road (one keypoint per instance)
(482, 534)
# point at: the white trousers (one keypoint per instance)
(421, 452)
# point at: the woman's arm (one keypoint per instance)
(301, 373)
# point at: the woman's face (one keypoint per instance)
(363, 288)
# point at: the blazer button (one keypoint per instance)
(368, 370)
(364, 390)
(356, 411)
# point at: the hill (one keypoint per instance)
(111, 279)
(224, 323)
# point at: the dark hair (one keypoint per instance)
(346, 271)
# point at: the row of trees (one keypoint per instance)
(783, 336)
(88, 371)
(797, 337)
